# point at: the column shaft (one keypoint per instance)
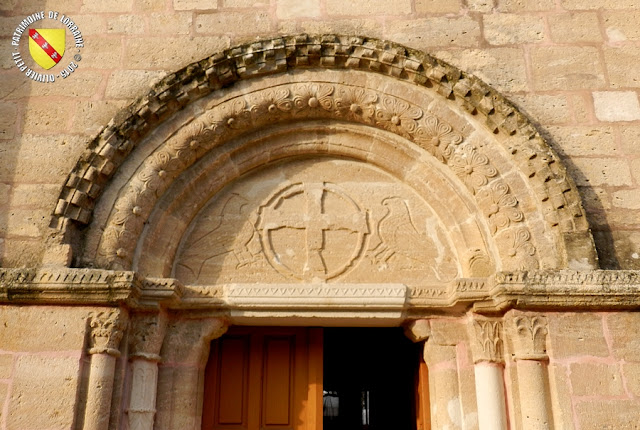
(490, 396)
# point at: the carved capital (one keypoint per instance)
(106, 331)
(486, 340)
(147, 335)
(187, 340)
(530, 337)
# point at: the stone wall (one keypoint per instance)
(571, 65)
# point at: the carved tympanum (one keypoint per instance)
(292, 223)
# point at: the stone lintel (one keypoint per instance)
(559, 290)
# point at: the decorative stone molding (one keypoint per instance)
(486, 340)
(147, 334)
(529, 290)
(556, 194)
(530, 337)
(106, 331)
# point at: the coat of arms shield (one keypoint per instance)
(46, 46)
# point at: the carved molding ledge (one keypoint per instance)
(534, 290)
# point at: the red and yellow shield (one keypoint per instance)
(46, 46)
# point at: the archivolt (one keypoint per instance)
(555, 216)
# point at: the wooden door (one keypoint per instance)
(261, 378)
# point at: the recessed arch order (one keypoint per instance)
(501, 196)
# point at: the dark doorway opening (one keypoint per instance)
(371, 378)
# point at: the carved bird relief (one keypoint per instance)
(399, 236)
(219, 240)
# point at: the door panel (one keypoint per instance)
(260, 378)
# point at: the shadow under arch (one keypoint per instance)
(145, 149)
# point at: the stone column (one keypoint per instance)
(488, 359)
(530, 353)
(106, 331)
(147, 334)
(181, 383)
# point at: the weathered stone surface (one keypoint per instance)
(629, 138)
(437, 6)
(239, 23)
(625, 343)
(6, 367)
(169, 53)
(576, 335)
(556, 68)
(8, 120)
(596, 379)
(604, 414)
(40, 381)
(430, 32)
(575, 27)
(606, 171)
(367, 7)
(581, 141)
(287, 9)
(631, 372)
(510, 29)
(125, 84)
(22, 328)
(613, 106)
(623, 65)
(41, 119)
(548, 109)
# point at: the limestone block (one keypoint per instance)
(103, 52)
(288, 9)
(172, 53)
(628, 199)
(344, 26)
(576, 335)
(578, 141)
(631, 372)
(368, 7)
(8, 119)
(244, 3)
(626, 249)
(575, 27)
(566, 68)
(83, 83)
(149, 5)
(448, 331)
(635, 168)
(622, 26)
(54, 156)
(510, 29)
(629, 138)
(26, 222)
(616, 105)
(502, 68)
(41, 196)
(126, 24)
(92, 115)
(178, 22)
(21, 252)
(599, 4)
(483, 6)
(545, 108)
(233, 22)
(600, 171)
(106, 6)
(560, 397)
(42, 328)
(43, 392)
(5, 192)
(524, 5)
(625, 341)
(437, 6)
(6, 368)
(128, 84)
(596, 379)
(623, 64)
(605, 414)
(195, 4)
(428, 32)
(40, 118)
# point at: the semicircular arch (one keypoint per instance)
(458, 131)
